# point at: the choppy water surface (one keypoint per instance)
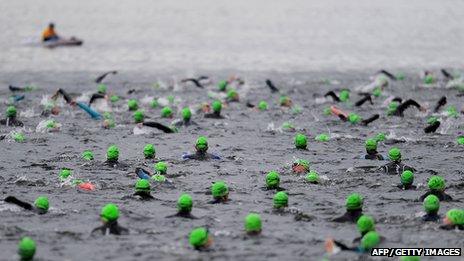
(248, 35)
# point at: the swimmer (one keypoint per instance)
(343, 96)
(280, 207)
(253, 224)
(109, 216)
(436, 185)
(396, 108)
(26, 249)
(11, 119)
(407, 178)
(371, 150)
(220, 192)
(300, 166)
(395, 166)
(142, 190)
(273, 181)
(353, 118)
(201, 147)
(271, 86)
(40, 206)
(184, 207)
(354, 203)
(454, 219)
(370, 240)
(434, 123)
(216, 114)
(200, 239)
(431, 206)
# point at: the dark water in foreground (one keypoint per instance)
(249, 151)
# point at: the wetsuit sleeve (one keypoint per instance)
(66, 96)
(158, 126)
(440, 103)
(421, 199)
(344, 247)
(432, 128)
(333, 95)
(403, 106)
(369, 120)
(96, 96)
(363, 100)
(18, 202)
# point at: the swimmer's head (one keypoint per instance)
(11, 112)
(253, 224)
(431, 204)
(407, 178)
(370, 240)
(41, 203)
(455, 217)
(377, 92)
(149, 151)
(429, 79)
(432, 120)
(65, 173)
(101, 88)
(161, 168)
(138, 116)
(154, 103)
(109, 213)
(114, 98)
(186, 114)
(394, 154)
(371, 145)
(272, 180)
(301, 141)
(262, 105)
(322, 137)
(285, 101)
(142, 185)
(184, 203)
(280, 200)
(222, 85)
(380, 137)
(300, 166)
(344, 95)
(26, 248)
(354, 201)
(460, 140)
(112, 154)
(219, 190)
(132, 104)
(199, 238)
(354, 118)
(87, 155)
(202, 144)
(436, 183)
(217, 106)
(312, 177)
(232, 95)
(365, 224)
(166, 112)
(392, 107)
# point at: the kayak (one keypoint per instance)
(63, 42)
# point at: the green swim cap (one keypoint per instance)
(114, 98)
(460, 140)
(302, 162)
(301, 141)
(101, 88)
(400, 76)
(354, 202)
(272, 180)
(26, 248)
(354, 118)
(202, 144)
(436, 183)
(222, 85)
(344, 95)
(186, 114)
(432, 120)
(392, 107)
(166, 112)
(409, 258)
(109, 123)
(327, 111)
(456, 216)
(407, 177)
(287, 126)
(51, 124)
(394, 154)
(322, 137)
(380, 137)
(280, 199)
(253, 223)
(185, 203)
(377, 92)
(219, 189)
(365, 224)
(158, 178)
(41, 203)
(64, 174)
(451, 111)
(87, 155)
(296, 109)
(108, 115)
(232, 94)
(283, 100)
(138, 116)
(142, 185)
(370, 240)
(262, 105)
(371, 145)
(429, 79)
(198, 237)
(19, 137)
(217, 106)
(161, 167)
(312, 177)
(171, 98)
(133, 105)
(431, 204)
(110, 213)
(112, 154)
(11, 111)
(154, 103)
(149, 151)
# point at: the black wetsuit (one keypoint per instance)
(200, 156)
(431, 217)
(96, 96)
(111, 228)
(66, 96)
(373, 155)
(452, 227)
(366, 98)
(12, 121)
(333, 95)
(214, 115)
(349, 216)
(406, 186)
(440, 104)
(144, 195)
(159, 126)
(432, 127)
(395, 167)
(403, 106)
(183, 215)
(441, 195)
(24, 205)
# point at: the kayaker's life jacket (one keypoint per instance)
(48, 33)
